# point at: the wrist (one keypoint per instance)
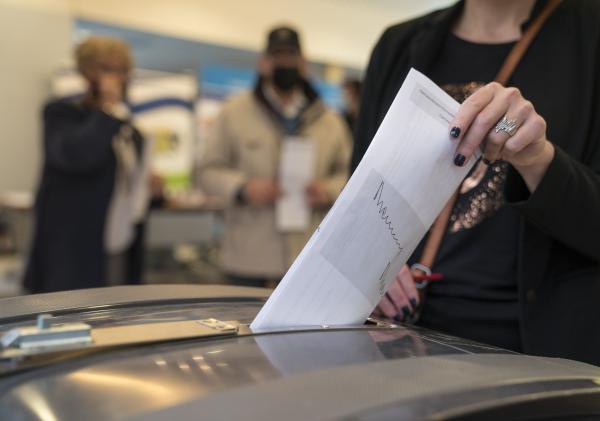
(534, 173)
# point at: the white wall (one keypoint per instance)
(33, 41)
(335, 31)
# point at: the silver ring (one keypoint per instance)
(507, 126)
(425, 270)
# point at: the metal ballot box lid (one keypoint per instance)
(154, 369)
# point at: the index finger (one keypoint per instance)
(407, 282)
(470, 108)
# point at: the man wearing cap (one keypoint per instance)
(242, 158)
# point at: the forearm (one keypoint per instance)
(533, 174)
(334, 185)
(565, 204)
(222, 182)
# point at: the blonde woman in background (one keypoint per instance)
(91, 177)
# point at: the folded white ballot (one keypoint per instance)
(401, 185)
(296, 170)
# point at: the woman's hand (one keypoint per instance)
(401, 299)
(317, 195)
(475, 124)
(261, 192)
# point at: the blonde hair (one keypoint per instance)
(90, 51)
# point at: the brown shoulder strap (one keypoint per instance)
(436, 234)
(517, 52)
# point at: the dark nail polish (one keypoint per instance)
(405, 312)
(397, 318)
(459, 160)
(455, 132)
(413, 303)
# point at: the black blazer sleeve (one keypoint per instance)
(74, 142)
(367, 123)
(566, 203)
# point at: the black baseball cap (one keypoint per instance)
(283, 37)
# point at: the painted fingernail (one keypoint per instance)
(459, 160)
(455, 132)
(397, 318)
(413, 303)
(486, 161)
(405, 312)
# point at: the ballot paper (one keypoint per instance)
(296, 170)
(401, 185)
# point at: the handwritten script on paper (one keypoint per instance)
(402, 183)
(383, 213)
(369, 236)
(385, 216)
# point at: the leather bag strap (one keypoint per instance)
(436, 234)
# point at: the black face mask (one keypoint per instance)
(286, 78)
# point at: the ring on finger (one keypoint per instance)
(425, 270)
(507, 126)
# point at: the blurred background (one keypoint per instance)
(190, 56)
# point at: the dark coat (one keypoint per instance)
(76, 185)
(559, 243)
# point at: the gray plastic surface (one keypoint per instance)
(340, 392)
(121, 295)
